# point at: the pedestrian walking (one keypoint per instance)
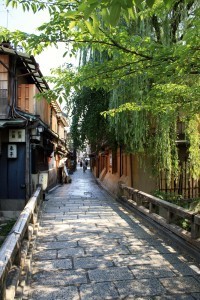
(84, 166)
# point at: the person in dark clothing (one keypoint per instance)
(84, 166)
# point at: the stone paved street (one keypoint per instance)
(88, 247)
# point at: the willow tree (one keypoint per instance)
(151, 70)
(88, 125)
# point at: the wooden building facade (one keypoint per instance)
(32, 132)
(112, 167)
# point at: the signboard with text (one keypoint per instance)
(12, 151)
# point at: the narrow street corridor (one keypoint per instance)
(89, 247)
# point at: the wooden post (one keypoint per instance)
(195, 227)
(169, 216)
(152, 207)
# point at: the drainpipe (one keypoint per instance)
(131, 165)
(27, 165)
(120, 161)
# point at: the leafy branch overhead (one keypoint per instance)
(143, 54)
(109, 11)
(158, 36)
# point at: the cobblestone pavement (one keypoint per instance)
(89, 247)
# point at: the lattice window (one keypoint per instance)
(3, 97)
(3, 89)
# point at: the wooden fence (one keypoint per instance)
(15, 251)
(184, 185)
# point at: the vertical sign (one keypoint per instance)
(43, 180)
(12, 151)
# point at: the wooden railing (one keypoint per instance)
(14, 253)
(165, 213)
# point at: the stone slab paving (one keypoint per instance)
(90, 248)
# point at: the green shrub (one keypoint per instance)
(5, 228)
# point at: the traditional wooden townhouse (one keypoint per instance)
(112, 167)
(32, 132)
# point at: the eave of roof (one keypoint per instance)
(13, 122)
(30, 64)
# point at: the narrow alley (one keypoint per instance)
(89, 247)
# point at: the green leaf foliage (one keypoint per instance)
(144, 56)
(87, 122)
